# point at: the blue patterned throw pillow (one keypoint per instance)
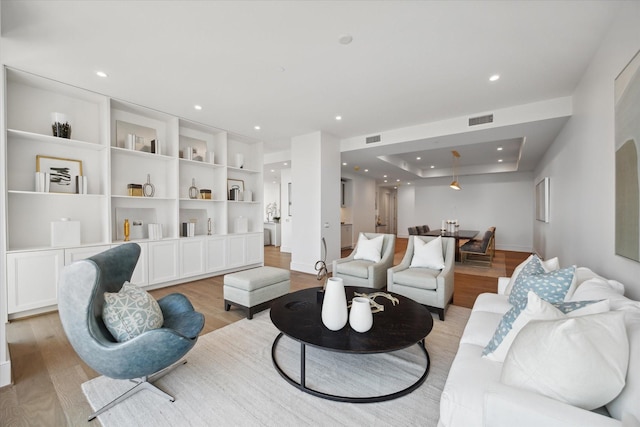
(130, 312)
(504, 326)
(551, 287)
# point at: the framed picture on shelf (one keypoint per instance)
(233, 187)
(63, 172)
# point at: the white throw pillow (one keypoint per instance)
(581, 361)
(598, 288)
(427, 254)
(369, 249)
(539, 309)
(130, 312)
(549, 265)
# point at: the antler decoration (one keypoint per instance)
(321, 266)
(375, 306)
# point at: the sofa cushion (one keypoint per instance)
(358, 268)
(480, 327)
(462, 399)
(551, 287)
(627, 400)
(130, 312)
(422, 278)
(547, 267)
(536, 309)
(369, 249)
(493, 303)
(427, 254)
(581, 361)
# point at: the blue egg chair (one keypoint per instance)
(141, 359)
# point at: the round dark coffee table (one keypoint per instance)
(298, 316)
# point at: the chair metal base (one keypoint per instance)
(144, 383)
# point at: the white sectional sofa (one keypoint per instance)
(474, 394)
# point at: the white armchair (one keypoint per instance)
(433, 288)
(359, 272)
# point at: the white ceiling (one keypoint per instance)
(279, 65)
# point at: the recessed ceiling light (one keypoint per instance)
(256, 127)
(433, 166)
(273, 170)
(499, 160)
(101, 74)
(397, 180)
(344, 163)
(395, 188)
(494, 78)
(408, 183)
(285, 163)
(274, 182)
(198, 107)
(418, 158)
(384, 176)
(366, 170)
(499, 148)
(345, 39)
(338, 118)
(385, 180)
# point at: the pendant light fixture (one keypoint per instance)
(454, 183)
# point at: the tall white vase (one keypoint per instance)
(360, 317)
(334, 305)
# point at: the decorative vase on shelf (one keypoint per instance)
(360, 317)
(334, 305)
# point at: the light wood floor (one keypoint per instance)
(47, 373)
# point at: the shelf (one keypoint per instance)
(186, 162)
(235, 169)
(40, 194)
(49, 248)
(115, 196)
(38, 137)
(243, 202)
(144, 154)
(185, 199)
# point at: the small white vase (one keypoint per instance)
(334, 305)
(360, 318)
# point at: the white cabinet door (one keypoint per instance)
(216, 253)
(237, 250)
(76, 254)
(32, 279)
(140, 275)
(163, 261)
(192, 256)
(254, 248)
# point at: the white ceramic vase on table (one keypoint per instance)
(360, 317)
(334, 306)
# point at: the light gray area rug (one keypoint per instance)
(229, 379)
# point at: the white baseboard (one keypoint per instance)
(5, 371)
(304, 268)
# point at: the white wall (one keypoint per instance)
(315, 177)
(286, 221)
(502, 200)
(581, 166)
(361, 205)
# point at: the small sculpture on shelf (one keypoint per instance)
(126, 230)
(60, 126)
(148, 189)
(272, 212)
(193, 190)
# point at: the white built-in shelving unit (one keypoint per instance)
(99, 127)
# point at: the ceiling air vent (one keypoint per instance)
(372, 139)
(481, 120)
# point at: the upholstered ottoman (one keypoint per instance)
(254, 289)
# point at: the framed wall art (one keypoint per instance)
(627, 167)
(63, 172)
(542, 200)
